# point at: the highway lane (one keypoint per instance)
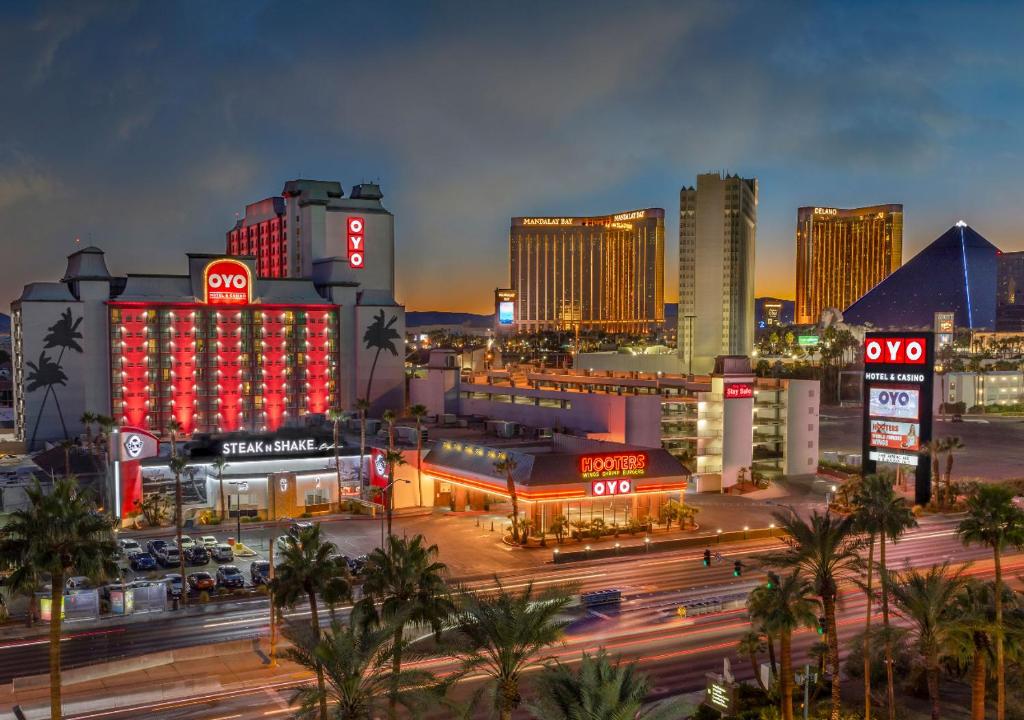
(667, 577)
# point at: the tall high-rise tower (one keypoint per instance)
(717, 234)
(841, 254)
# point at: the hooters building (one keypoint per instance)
(569, 476)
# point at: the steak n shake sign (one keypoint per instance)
(269, 446)
(897, 422)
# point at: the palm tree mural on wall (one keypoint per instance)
(49, 373)
(380, 335)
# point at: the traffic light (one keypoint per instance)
(821, 624)
(770, 583)
(707, 558)
(737, 569)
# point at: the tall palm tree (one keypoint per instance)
(67, 446)
(178, 465)
(405, 583)
(354, 660)
(824, 549)
(389, 418)
(789, 604)
(759, 605)
(507, 466)
(362, 407)
(380, 335)
(505, 631)
(173, 428)
(751, 644)
(993, 520)
(935, 448)
(45, 374)
(599, 689)
(220, 465)
(392, 459)
(307, 566)
(336, 416)
(926, 600)
(972, 637)
(952, 444)
(61, 533)
(63, 334)
(106, 425)
(418, 412)
(880, 514)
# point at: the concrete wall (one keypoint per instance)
(803, 399)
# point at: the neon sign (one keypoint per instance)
(738, 391)
(227, 282)
(895, 350)
(356, 243)
(603, 465)
(634, 215)
(603, 488)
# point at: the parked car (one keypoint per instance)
(297, 527)
(356, 565)
(142, 561)
(222, 552)
(208, 541)
(186, 542)
(259, 572)
(126, 546)
(170, 556)
(197, 555)
(173, 581)
(153, 547)
(230, 576)
(199, 581)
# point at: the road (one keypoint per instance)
(675, 653)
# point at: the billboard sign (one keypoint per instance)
(506, 312)
(895, 435)
(897, 414)
(894, 402)
(620, 464)
(738, 391)
(356, 242)
(227, 282)
(807, 340)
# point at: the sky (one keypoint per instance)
(143, 128)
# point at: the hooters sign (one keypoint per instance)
(227, 282)
(895, 350)
(356, 242)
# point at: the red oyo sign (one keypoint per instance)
(895, 351)
(738, 391)
(615, 464)
(227, 282)
(604, 488)
(356, 243)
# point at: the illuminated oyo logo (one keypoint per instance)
(227, 282)
(356, 243)
(602, 488)
(895, 351)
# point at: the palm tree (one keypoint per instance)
(178, 466)
(389, 420)
(505, 631)
(87, 419)
(61, 533)
(362, 407)
(751, 644)
(308, 565)
(506, 466)
(392, 459)
(380, 335)
(66, 446)
(926, 600)
(106, 425)
(45, 374)
(824, 549)
(354, 660)
(600, 689)
(993, 520)
(759, 604)
(173, 428)
(220, 464)
(951, 445)
(336, 416)
(878, 511)
(789, 604)
(418, 412)
(406, 584)
(972, 637)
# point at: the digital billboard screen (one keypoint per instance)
(895, 435)
(894, 402)
(506, 312)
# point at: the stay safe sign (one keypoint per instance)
(227, 282)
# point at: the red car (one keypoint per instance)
(197, 582)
